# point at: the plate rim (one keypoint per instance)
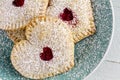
(109, 45)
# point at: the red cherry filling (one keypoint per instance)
(67, 15)
(18, 3)
(47, 54)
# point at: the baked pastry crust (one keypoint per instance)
(82, 24)
(12, 17)
(16, 35)
(56, 35)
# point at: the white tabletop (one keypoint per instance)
(110, 67)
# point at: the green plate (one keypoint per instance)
(88, 52)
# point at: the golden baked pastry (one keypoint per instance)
(48, 50)
(77, 14)
(16, 14)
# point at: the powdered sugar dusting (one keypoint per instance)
(82, 11)
(58, 38)
(16, 17)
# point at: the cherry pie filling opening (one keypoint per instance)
(47, 54)
(18, 3)
(68, 16)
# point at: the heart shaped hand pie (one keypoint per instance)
(78, 15)
(16, 14)
(48, 50)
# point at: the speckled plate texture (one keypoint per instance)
(88, 52)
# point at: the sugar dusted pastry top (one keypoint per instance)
(45, 55)
(77, 14)
(80, 11)
(18, 13)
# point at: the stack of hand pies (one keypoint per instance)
(44, 33)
